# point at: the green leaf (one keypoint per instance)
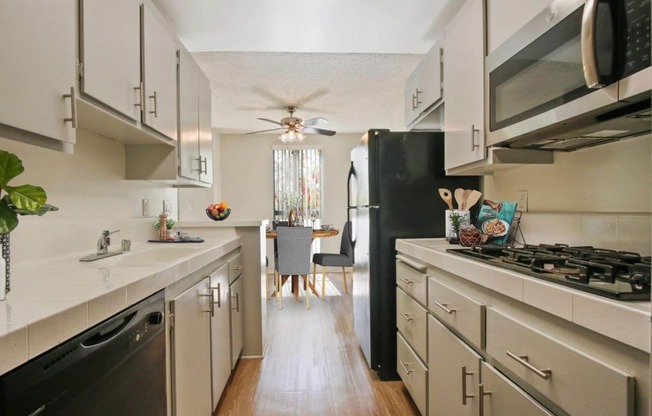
(10, 167)
(27, 197)
(8, 218)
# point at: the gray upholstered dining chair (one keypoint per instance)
(275, 224)
(342, 259)
(292, 258)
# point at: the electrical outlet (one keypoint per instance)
(522, 201)
(167, 207)
(145, 207)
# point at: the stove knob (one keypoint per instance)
(155, 318)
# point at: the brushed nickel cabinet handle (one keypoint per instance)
(198, 159)
(155, 111)
(473, 132)
(414, 102)
(141, 96)
(481, 394)
(237, 302)
(407, 317)
(418, 103)
(73, 108)
(523, 360)
(444, 306)
(405, 368)
(211, 301)
(219, 295)
(203, 166)
(464, 395)
(412, 264)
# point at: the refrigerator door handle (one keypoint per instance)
(350, 176)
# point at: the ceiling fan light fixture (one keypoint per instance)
(292, 136)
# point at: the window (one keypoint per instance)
(297, 182)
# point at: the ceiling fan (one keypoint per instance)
(294, 128)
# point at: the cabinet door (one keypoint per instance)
(453, 373)
(159, 74)
(205, 129)
(191, 351)
(501, 397)
(409, 95)
(429, 78)
(237, 330)
(220, 341)
(110, 52)
(464, 86)
(37, 45)
(189, 161)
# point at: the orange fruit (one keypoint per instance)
(223, 205)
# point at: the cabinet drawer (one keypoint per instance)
(457, 310)
(413, 373)
(502, 397)
(235, 268)
(577, 382)
(412, 323)
(412, 278)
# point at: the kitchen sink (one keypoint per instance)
(148, 257)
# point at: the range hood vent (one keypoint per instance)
(622, 123)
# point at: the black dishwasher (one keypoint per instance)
(115, 368)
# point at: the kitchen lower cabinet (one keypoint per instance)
(220, 328)
(159, 70)
(453, 374)
(191, 351)
(464, 86)
(237, 321)
(413, 373)
(497, 396)
(37, 103)
(110, 54)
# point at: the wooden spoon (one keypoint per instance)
(459, 195)
(473, 198)
(447, 197)
(465, 196)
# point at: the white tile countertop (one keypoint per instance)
(602, 315)
(53, 299)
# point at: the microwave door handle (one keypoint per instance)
(589, 61)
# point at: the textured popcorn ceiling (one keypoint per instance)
(345, 60)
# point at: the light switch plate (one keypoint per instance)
(522, 201)
(167, 207)
(145, 207)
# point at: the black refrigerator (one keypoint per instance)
(392, 193)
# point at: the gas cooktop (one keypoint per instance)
(614, 274)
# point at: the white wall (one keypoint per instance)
(91, 193)
(600, 196)
(247, 177)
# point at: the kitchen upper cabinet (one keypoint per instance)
(506, 17)
(220, 328)
(110, 54)
(464, 86)
(453, 373)
(159, 74)
(191, 350)
(38, 72)
(195, 130)
(424, 87)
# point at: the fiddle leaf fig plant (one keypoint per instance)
(18, 200)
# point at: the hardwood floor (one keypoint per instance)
(313, 365)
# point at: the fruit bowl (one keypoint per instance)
(226, 213)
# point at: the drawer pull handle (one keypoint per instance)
(211, 301)
(481, 394)
(464, 395)
(406, 281)
(523, 360)
(444, 306)
(412, 264)
(407, 317)
(405, 368)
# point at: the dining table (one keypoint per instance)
(316, 233)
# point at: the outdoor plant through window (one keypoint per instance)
(297, 183)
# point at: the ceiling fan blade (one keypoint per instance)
(313, 121)
(271, 121)
(262, 131)
(318, 131)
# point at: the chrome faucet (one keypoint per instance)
(104, 241)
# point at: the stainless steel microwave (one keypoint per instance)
(578, 74)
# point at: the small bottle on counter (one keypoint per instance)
(163, 226)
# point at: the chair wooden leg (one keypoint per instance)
(279, 293)
(314, 273)
(307, 291)
(346, 290)
(323, 282)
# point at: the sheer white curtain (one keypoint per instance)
(297, 182)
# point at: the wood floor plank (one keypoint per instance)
(313, 365)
